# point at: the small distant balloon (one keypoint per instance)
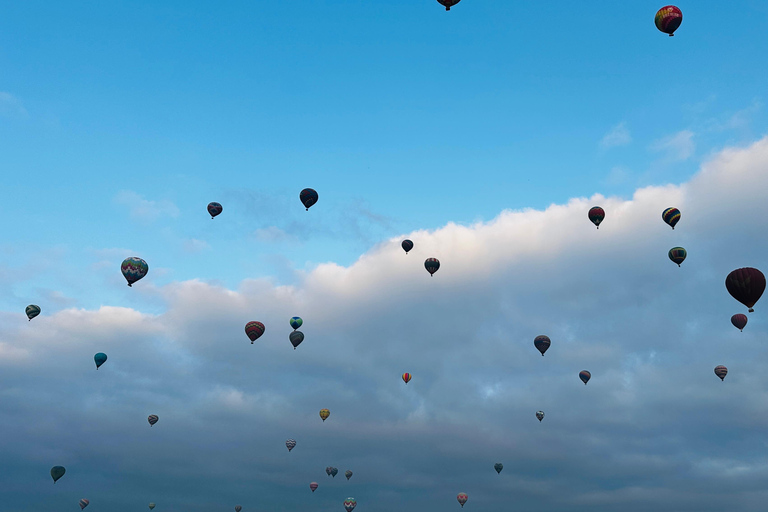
(498, 467)
(296, 338)
(308, 197)
(254, 330)
(350, 504)
(671, 216)
(238, 508)
(134, 269)
(407, 245)
(462, 498)
(432, 264)
(214, 209)
(328, 470)
(448, 3)
(313, 486)
(668, 19)
(32, 311)
(151, 506)
(324, 413)
(296, 322)
(542, 343)
(746, 285)
(57, 472)
(540, 415)
(83, 503)
(739, 321)
(596, 215)
(334, 472)
(290, 444)
(721, 371)
(348, 474)
(152, 419)
(584, 375)
(406, 377)
(677, 255)
(100, 359)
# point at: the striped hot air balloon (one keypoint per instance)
(739, 321)
(350, 504)
(254, 330)
(542, 343)
(32, 311)
(677, 255)
(584, 375)
(290, 444)
(671, 216)
(134, 269)
(83, 503)
(313, 486)
(668, 19)
(152, 419)
(462, 498)
(406, 377)
(721, 371)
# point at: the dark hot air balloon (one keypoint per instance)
(100, 359)
(407, 245)
(214, 209)
(596, 215)
(334, 472)
(290, 444)
(739, 321)
(746, 285)
(540, 415)
(83, 503)
(296, 338)
(328, 470)
(432, 264)
(668, 19)
(677, 255)
(254, 330)
(584, 375)
(32, 311)
(448, 3)
(498, 467)
(238, 508)
(134, 269)
(671, 216)
(308, 197)
(57, 472)
(152, 419)
(348, 474)
(542, 343)
(721, 371)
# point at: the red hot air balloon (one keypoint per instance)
(746, 285)
(254, 330)
(721, 371)
(462, 498)
(313, 486)
(596, 215)
(448, 3)
(739, 321)
(668, 19)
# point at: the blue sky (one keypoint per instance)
(120, 122)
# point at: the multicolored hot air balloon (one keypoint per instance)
(254, 330)
(290, 444)
(746, 285)
(348, 474)
(542, 343)
(214, 209)
(739, 321)
(57, 472)
(448, 3)
(313, 486)
(677, 255)
(407, 245)
(83, 503)
(406, 377)
(328, 470)
(540, 415)
(324, 413)
(296, 322)
(32, 311)
(671, 216)
(296, 338)
(584, 375)
(596, 215)
(152, 419)
(498, 467)
(308, 197)
(462, 498)
(151, 506)
(721, 371)
(350, 504)
(238, 508)
(668, 19)
(432, 264)
(134, 269)
(100, 359)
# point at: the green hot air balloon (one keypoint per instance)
(57, 472)
(100, 359)
(296, 322)
(32, 311)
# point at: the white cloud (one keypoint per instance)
(617, 136)
(193, 245)
(273, 234)
(11, 105)
(144, 209)
(677, 147)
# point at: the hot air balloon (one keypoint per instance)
(83, 503)
(57, 472)
(296, 322)
(584, 375)
(348, 474)
(677, 255)
(407, 245)
(498, 467)
(290, 444)
(746, 285)
(542, 343)
(668, 19)
(100, 359)
(238, 508)
(254, 330)
(739, 321)
(448, 3)
(151, 506)
(309, 197)
(432, 264)
(540, 415)
(296, 338)
(671, 216)
(32, 311)
(328, 470)
(462, 498)
(214, 209)
(406, 377)
(334, 472)
(324, 413)
(721, 371)
(596, 215)
(152, 419)
(134, 269)
(349, 504)
(313, 486)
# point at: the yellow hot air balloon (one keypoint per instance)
(324, 413)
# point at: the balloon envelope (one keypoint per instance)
(746, 285)
(348, 474)
(406, 377)
(57, 472)
(83, 503)
(290, 444)
(542, 343)
(328, 470)
(584, 375)
(498, 467)
(350, 504)
(324, 413)
(462, 498)
(151, 506)
(668, 19)
(432, 264)
(540, 415)
(671, 216)
(596, 215)
(334, 472)
(238, 508)
(152, 419)
(296, 322)
(448, 3)
(308, 197)
(32, 311)
(100, 359)
(313, 486)
(134, 269)
(721, 371)
(407, 245)
(677, 255)
(739, 321)
(214, 209)
(254, 330)
(296, 338)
